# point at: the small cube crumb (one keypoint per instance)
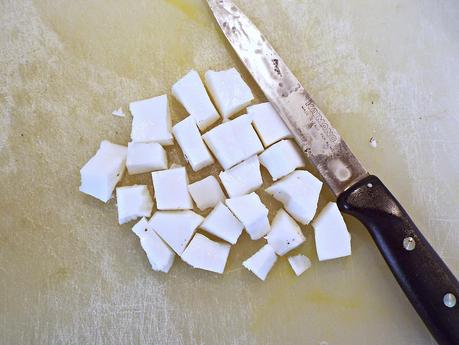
(171, 189)
(243, 178)
(300, 263)
(103, 171)
(222, 223)
(251, 213)
(118, 112)
(282, 158)
(176, 228)
(268, 124)
(285, 233)
(233, 141)
(192, 94)
(206, 254)
(206, 192)
(160, 256)
(189, 139)
(145, 157)
(229, 91)
(299, 193)
(151, 121)
(373, 142)
(332, 238)
(133, 202)
(261, 262)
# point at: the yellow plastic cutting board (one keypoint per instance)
(69, 274)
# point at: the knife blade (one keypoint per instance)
(321, 143)
(427, 282)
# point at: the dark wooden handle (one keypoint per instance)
(426, 280)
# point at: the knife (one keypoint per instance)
(426, 280)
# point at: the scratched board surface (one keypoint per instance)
(69, 274)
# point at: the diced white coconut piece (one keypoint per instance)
(151, 121)
(332, 238)
(261, 262)
(103, 171)
(243, 178)
(176, 228)
(171, 189)
(118, 112)
(251, 213)
(188, 137)
(222, 223)
(299, 263)
(206, 192)
(160, 256)
(229, 91)
(233, 141)
(145, 157)
(133, 202)
(248, 140)
(206, 254)
(140, 227)
(282, 158)
(192, 94)
(268, 124)
(285, 233)
(299, 193)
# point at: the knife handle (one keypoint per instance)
(430, 286)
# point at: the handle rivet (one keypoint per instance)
(409, 243)
(449, 300)
(370, 185)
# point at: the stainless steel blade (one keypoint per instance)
(312, 131)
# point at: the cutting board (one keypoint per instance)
(69, 274)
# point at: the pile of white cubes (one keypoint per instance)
(240, 145)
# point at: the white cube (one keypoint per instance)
(233, 141)
(299, 263)
(268, 124)
(261, 262)
(222, 223)
(171, 189)
(243, 178)
(282, 158)
(176, 228)
(206, 192)
(140, 227)
(103, 171)
(285, 233)
(133, 202)
(251, 213)
(160, 256)
(151, 121)
(206, 254)
(229, 91)
(332, 238)
(299, 193)
(189, 139)
(145, 157)
(192, 94)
